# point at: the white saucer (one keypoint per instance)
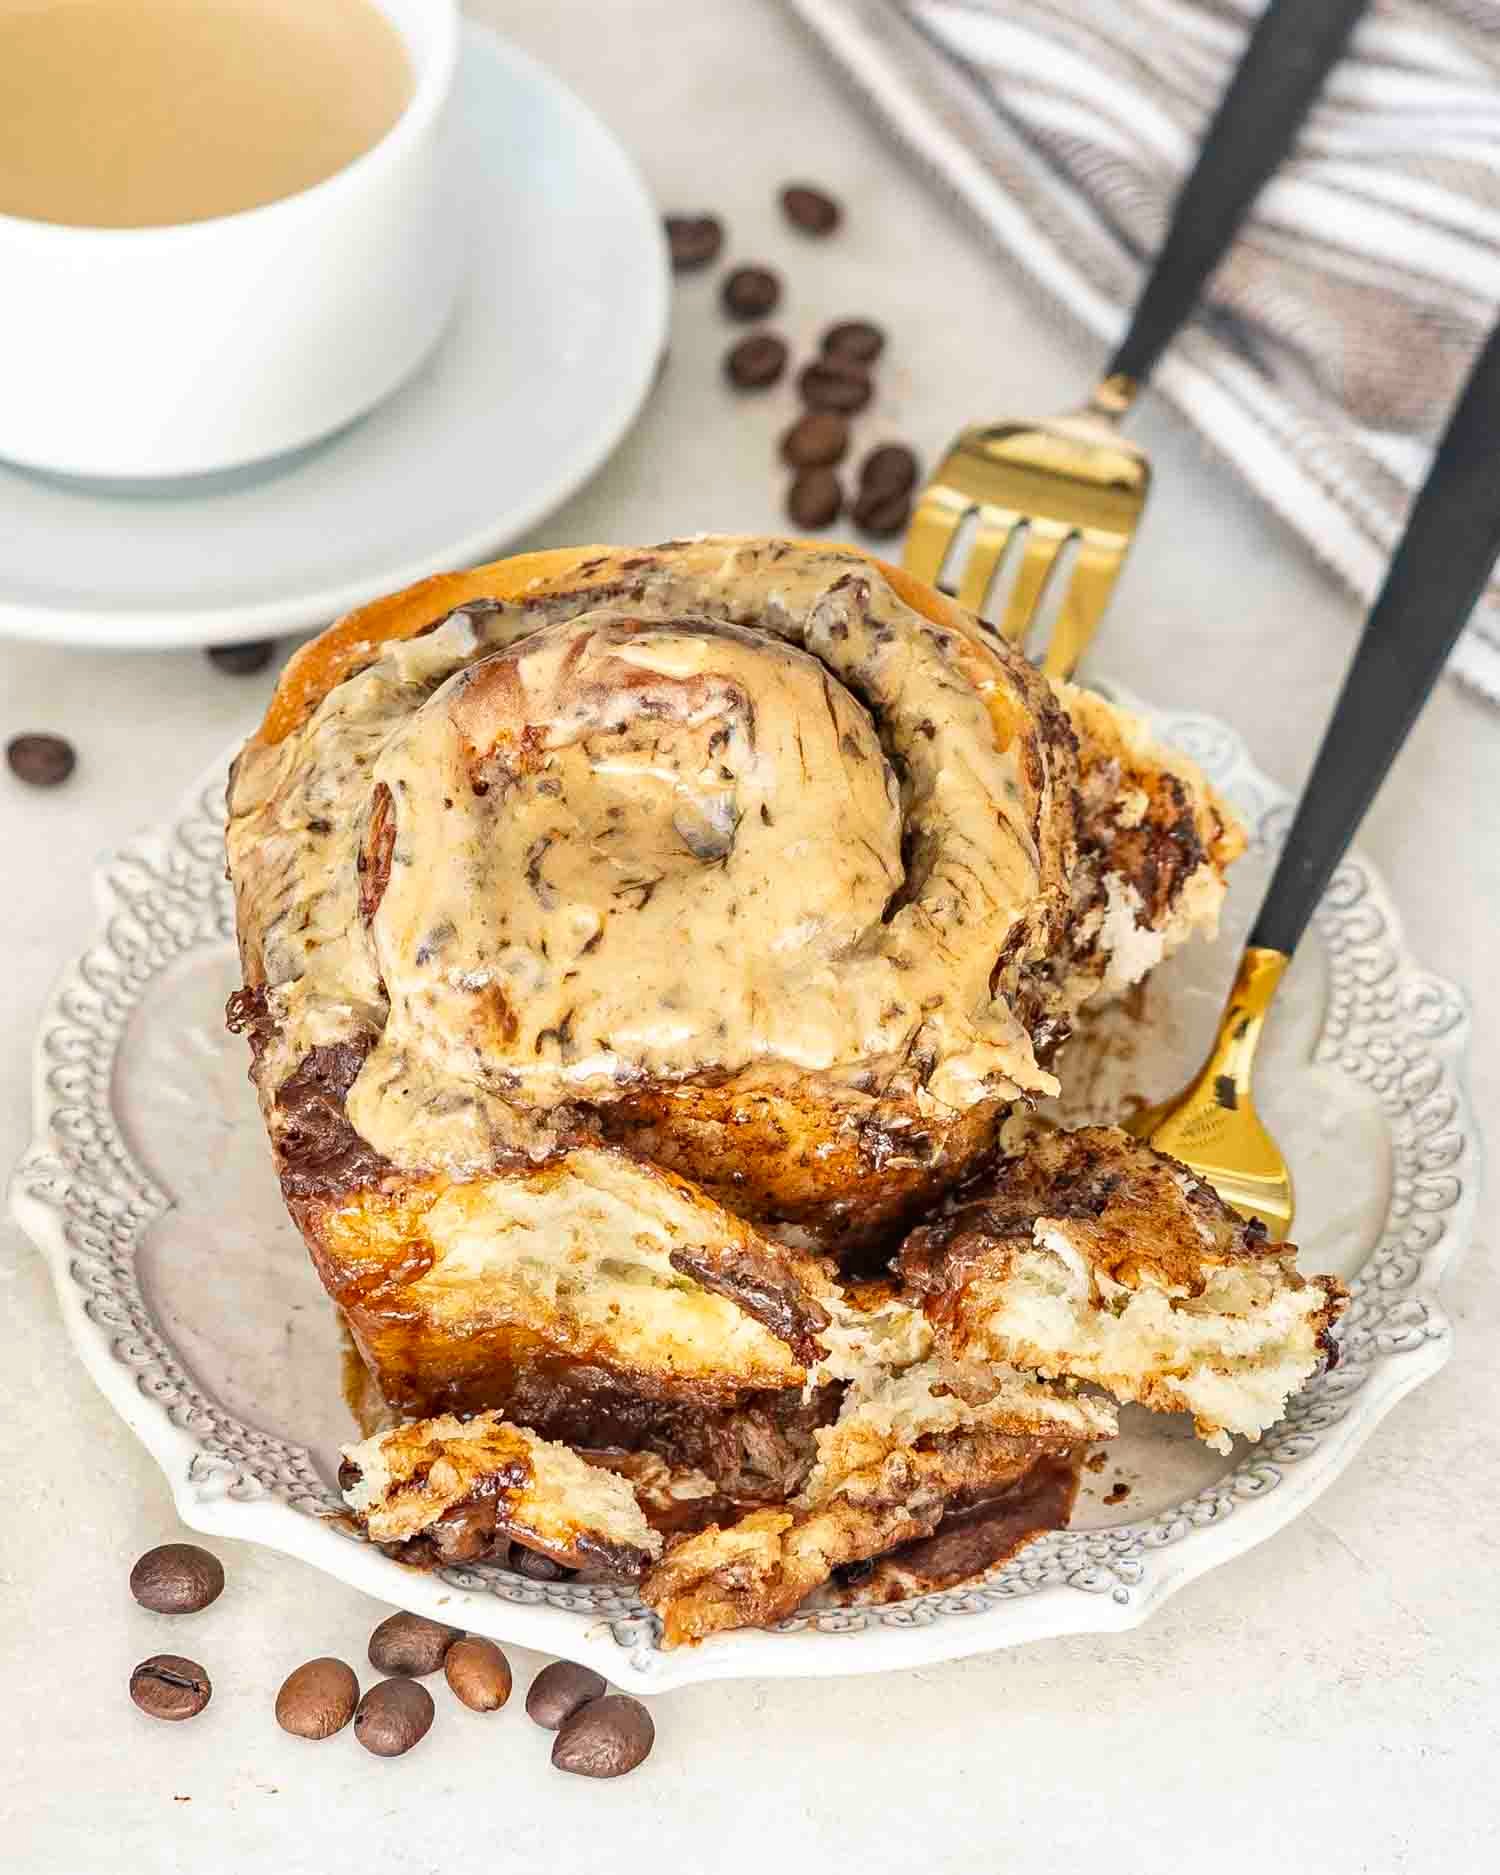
(553, 349)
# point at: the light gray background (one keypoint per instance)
(1327, 1703)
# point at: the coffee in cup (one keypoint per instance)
(227, 226)
(145, 113)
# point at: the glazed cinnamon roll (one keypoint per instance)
(632, 938)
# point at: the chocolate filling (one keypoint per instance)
(319, 1152)
(478, 1529)
(969, 1540)
(374, 861)
(753, 1281)
(758, 1451)
(246, 1014)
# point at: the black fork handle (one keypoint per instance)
(1440, 568)
(1294, 46)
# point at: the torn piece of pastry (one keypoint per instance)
(1155, 844)
(971, 1540)
(886, 1412)
(1155, 839)
(905, 1449)
(581, 1285)
(1095, 1258)
(469, 1488)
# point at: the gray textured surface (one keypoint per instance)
(1331, 1701)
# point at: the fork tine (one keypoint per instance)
(986, 551)
(1070, 479)
(938, 517)
(1093, 579)
(1044, 541)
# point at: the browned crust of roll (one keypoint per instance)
(372, 1248)
(778, 1155)
(349, 644)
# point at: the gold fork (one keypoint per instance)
(1074, 482)
(1434, 581)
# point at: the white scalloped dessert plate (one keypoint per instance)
(191, 1300)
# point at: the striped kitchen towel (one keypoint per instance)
(1335, 336)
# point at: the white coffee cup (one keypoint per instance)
(172, 351)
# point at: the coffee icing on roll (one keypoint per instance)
(745, 815)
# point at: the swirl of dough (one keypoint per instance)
(723, 853)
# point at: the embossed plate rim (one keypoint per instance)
(87, 1205)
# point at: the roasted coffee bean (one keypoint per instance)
(815, 498)
(755, 362)
(168, 1687)
(855, 340)
(40, 760)
(750, 293)
(810, 209)
(242, 660)
(177, 1579)
(536, 1567)
(605, 1739)
(834, 384)
(410, 1644)
(816, 440)
(882, 514)
(693, 241)
(559, 1690)
(392, 1717)
(478, 1673)
(889, 470)
(317, 1699)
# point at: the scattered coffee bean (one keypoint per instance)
(835, 384)
(881, 513)
(40, 760)
(242, 660)
(536, 1567)
(756, 362)
(392, 1717)
(177, 1579)
(750, 293)
(605, 1739)
(168, 1687)
(810, 209)
(317, 1699)
(890, 470)
(558, 1691)
(815, 498)
(411, 1644)
(478, 1673)
(816, 440)
(693, 241)
(855, 340)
